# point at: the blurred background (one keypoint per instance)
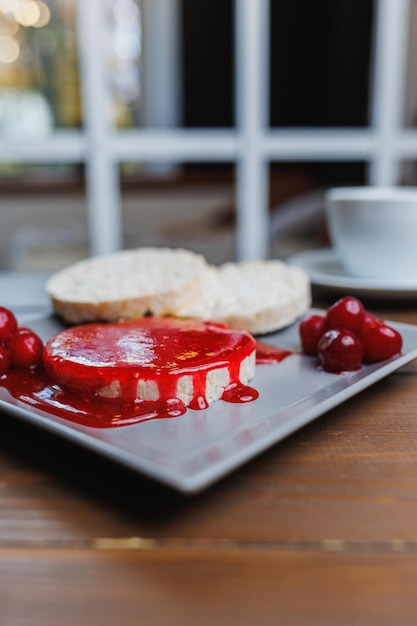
(216, 125)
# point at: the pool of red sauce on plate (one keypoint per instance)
(34, 387)
(267, 353)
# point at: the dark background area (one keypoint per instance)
(320, 54)
(320, 59)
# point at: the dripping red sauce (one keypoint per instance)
(85, 359)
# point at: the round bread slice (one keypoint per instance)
(257, 296)
(128, 284)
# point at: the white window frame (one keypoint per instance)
(251, 145)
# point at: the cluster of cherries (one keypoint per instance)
(347, 336)
(20, 347)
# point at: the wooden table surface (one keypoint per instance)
(321, 529)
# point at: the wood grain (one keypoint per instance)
(206, 586)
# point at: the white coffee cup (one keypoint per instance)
(374, 231)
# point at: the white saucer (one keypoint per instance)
(326, 271)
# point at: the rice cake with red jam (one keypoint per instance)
(167, 363)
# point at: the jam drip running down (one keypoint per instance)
(105, 375)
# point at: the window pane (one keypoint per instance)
(208, 58)
(39, 87)
(195, 212)
(43, 227)
(124, 56)
(320, 61)
(297, 193)
(39, 73)
(410, 108)
(408, 173)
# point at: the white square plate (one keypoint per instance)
(194, 450)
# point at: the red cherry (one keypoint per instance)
(25, 348)
(310, 330)
(8, 323)
(380, 341)
(369, 318)
(5, 360)
(346, 313)
(340, 350)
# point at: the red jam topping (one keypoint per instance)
(112, 374)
